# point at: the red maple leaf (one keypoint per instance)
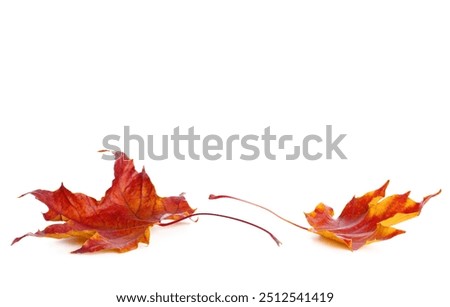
(364, 220)
(119, 221)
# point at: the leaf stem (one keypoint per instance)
(259, 206)
(227, 217)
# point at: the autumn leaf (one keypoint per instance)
(119, 221)
(122, 218)
(364, 220)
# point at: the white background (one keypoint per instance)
(73, 72)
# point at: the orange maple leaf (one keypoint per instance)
(119, 221)
(366, 219)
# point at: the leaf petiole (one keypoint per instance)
(259, 206)
(227, 217)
